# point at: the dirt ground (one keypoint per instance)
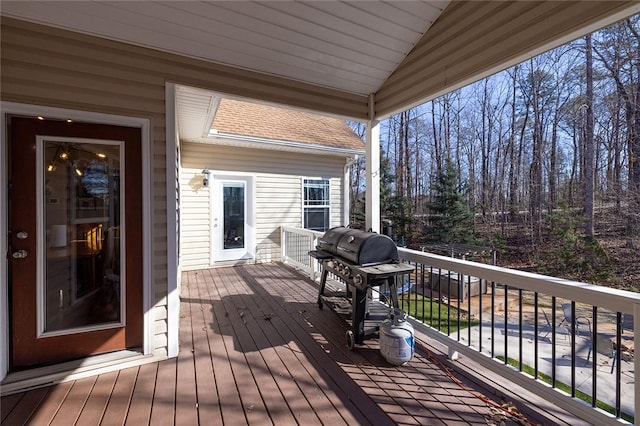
(620, 257)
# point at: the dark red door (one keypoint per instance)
(75, 221)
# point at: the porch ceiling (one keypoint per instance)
(349, 46)
(403, 52)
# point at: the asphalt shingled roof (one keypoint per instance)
(283, 124)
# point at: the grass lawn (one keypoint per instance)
(566, 388)
(433, 313)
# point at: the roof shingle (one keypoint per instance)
(283, 124)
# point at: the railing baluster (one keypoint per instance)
(520, 331)
(439, 299)
(415, 269)
(594, 351)
(458, 319)
(573, 349)
(431, 292)
(480, 293)
(506, 324)
(618, 357)
(553, 341)
(493, 319)
(468, 295)
(535, 334)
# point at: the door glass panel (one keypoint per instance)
(81, 203)
(233, 213)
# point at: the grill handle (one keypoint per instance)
(346, 250)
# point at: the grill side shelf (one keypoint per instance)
(320, 254)
(385, 270)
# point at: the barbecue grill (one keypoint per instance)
(361, 260)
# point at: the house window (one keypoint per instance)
(316, 204)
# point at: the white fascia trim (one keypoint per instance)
(214, 103)
(8, 108)
(264, 143)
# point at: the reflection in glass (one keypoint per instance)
(233, 212)
(82, 223)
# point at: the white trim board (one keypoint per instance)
(173, 260)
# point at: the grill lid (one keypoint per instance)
(329, 241)
(359, 247)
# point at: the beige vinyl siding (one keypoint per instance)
(474, 39)
(278, 203)
(336, 186)
(278, 181)
(195, 222)
(118, 65)
(264, 161)
(57, 68)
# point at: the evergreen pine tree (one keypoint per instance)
(451, 218)
(398, 209)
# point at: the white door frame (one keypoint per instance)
(248, 252)
(12, 108)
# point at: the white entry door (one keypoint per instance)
(233, 222)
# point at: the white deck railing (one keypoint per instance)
(518, 320)
(296, 244)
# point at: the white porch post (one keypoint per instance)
(373, 169)
(346, 191)
(173, 263)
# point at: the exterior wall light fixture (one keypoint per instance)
(205, 178)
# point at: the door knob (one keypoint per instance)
(19, 254)
(22, 235)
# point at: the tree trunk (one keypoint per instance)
(535, 170)
(513, 167)
(589, 166)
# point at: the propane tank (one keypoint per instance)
(396, 338)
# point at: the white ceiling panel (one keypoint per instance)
(347, 45)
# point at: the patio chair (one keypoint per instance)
(627, 322)
(604, 346)
(547, 327)
(576, 324)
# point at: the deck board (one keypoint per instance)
(287, 349)
(120, 398)
(142, 397)
(220, 345)
(8, 404)
(74, 402)
(256, 349)
(201, 320)
(22, 411)
(266, 365)
(163, 410)
(185, 388)
(292, 321)
(97, 401)
(50, 404)
(240, 319)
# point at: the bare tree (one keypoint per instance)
(589, 165)
(619, 52)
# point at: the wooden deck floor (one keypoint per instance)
(255, 349)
